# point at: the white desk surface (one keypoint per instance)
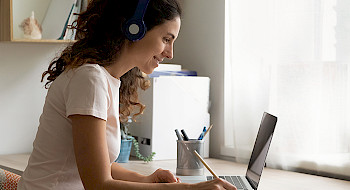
(271, 179)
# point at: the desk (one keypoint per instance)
(271, 179)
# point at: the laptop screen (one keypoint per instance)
(261, 147)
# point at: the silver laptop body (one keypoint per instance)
(257, 159)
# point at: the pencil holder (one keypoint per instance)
(187, 162)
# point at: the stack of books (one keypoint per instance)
(167, 69)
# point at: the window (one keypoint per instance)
(292, 59)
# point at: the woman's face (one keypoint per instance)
(156, 45)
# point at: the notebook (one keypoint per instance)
(257, 159)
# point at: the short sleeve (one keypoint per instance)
(87, 93)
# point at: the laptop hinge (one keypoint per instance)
(251, 183)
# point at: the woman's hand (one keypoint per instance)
(214, 184)
(162, 176)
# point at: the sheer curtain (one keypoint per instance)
(291, 59)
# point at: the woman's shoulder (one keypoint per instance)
(95, 68)
(85, 75)
(92, 73)
(87, 71)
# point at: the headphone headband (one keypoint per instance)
(135, 27)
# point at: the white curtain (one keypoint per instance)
(290, 58)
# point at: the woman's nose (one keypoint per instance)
(168, 53)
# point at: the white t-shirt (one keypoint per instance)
(87, 90)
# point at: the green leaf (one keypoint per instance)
(138, 154)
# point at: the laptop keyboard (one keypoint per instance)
(235, 180)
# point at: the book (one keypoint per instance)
(168, 67)
(70, 33)
(172, 73)
(55, 19)
(65, 28)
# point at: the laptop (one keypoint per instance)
(257, 159)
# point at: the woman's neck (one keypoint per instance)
(122, 65)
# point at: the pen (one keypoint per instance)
(205, 164)
(211, 126)
(202, 133)
(184, 134)
(179, 137)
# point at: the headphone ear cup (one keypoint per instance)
(134, 29)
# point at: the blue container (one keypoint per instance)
(125, 148)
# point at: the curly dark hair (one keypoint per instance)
(100, 37)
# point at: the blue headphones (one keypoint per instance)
(135, 27)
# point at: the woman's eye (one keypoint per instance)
(167, 40)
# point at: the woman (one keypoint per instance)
(79, 137)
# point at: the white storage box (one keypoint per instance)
(172, 102)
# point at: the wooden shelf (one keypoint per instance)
(6, 20)
(41, 41)
(6, 26)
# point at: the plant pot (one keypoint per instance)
(125, 148)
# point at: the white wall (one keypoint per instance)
(200, 47)
(21, 92)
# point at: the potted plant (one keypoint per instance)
(126, 142)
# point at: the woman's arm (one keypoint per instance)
(91, 152)
(159, 176)
(92, 158)
(120, 173)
